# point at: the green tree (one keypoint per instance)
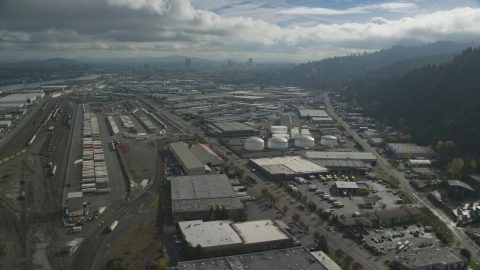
(161, 264)
(473, 166)
(401, 122)
(408, 155)
(357, 266)
(296, 217)
(347, 261)
(455, 169)
(339, 253)
(285, 208)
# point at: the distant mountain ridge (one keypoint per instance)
(49, 63)
(438, 102)
(331, 73)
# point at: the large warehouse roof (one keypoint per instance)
(288, 165)
(187, 157)
(206, 155)
(291, 258)
(260, 231)
(339, 155)
(201, 187)
(205, 204)
(209, 234)
(18, 98)
(456, 183)
(289, 119)
(313, 113)
(232, 126)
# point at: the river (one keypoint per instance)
(14, 87)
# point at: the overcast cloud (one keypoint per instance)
(274, 30)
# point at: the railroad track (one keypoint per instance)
(172, 127)
(90, 247)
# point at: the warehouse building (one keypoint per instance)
(224, 238)
(365, 157)
(350, 188)
(291, 258)
(418, 163)
(289, 120)
(287, 167)
(206, 155)
(194, 196)
(342, 166)
(313, 114)
(431, 259)
(394, 216)
(5, 124)
(232, 129)
(410, 150)
(75, 205)
(190, 163)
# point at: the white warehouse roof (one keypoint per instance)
(339, 155)
(288, 165)
(209, 234)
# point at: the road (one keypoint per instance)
(420, 201)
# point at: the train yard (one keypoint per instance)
(50, 156)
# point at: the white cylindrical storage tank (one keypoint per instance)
(277, 143)
(304, 131)
(254, 144)
(328, 140)
(304, 141)
(281, 135)
(279, 129)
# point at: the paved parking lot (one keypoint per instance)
(353, 203)
(414, 243)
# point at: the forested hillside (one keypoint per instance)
(331, 73)
(435, 103)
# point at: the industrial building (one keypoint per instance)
(410, 150)
(223, 237)
(313, 113)
(75, 205)
(394, 216)
(5, 124)
(14, 102)
(418, 163)
(206, 155)
(343, 186)
(232, 129)
(289, 120)
(365, 157)
(194, 195)
(291, 258)
(287, 167)
(341, 166)
(432, 259)
(190, 163)
(375, 141)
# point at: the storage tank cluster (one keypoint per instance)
(94, 168)
(254, 144)
(304, 141)
(328, 140)
(294, 133)
(277, 143)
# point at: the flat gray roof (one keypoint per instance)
(456, 183)
(339, 155)
(432, 257)
(209, 234)
(260, 231)
(289, 165)
(205, 204)
(291, 258)
(338, 163)
(187, 157)
(209, 186)
(232, 126)
(289, 119)
(345, 184)
(313, 113)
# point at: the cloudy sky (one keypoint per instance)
(276, 30)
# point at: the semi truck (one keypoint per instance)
(77, 161)
(100, 211)
(54, 170)
(113, 226)
(75, 229)
(246, 198)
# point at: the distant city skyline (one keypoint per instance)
(267, 30)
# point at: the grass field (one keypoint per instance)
(133, 243)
